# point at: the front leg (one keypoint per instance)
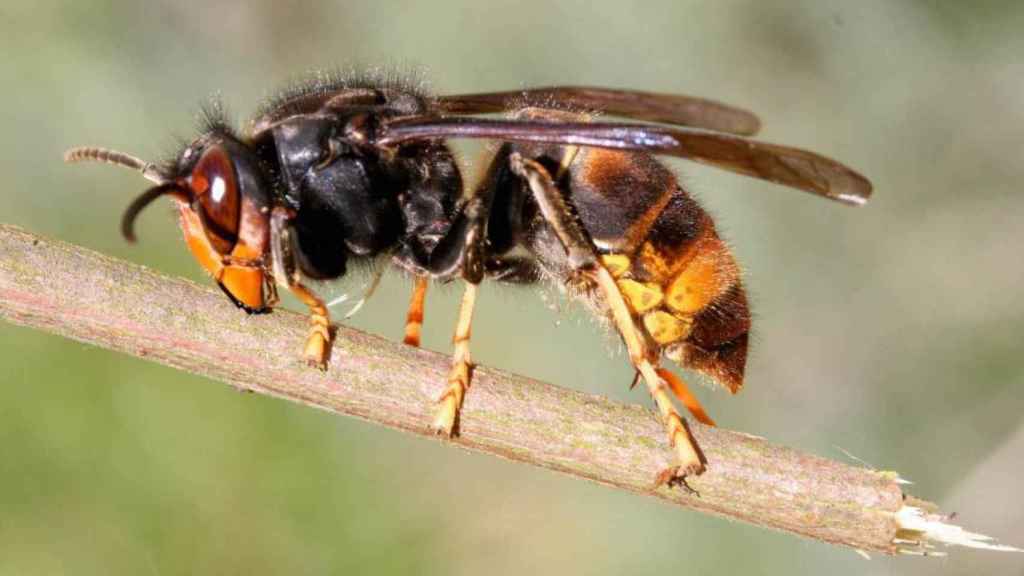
(286, 272)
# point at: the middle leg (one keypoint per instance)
(463, 250)
(446, 419)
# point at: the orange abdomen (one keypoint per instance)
(678, 277)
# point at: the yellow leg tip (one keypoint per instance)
(444, 420)
(315, 352)
(451, 400)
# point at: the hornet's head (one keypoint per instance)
(224, 205)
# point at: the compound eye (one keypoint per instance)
(215, 197)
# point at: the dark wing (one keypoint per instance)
(791, 167)
(648, 106)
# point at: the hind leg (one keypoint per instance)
(691, 459)
(583, 258)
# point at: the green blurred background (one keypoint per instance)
(890, 332)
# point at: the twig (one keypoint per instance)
(83, 295)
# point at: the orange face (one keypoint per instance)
(226, 233)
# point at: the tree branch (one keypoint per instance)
(86, 296)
